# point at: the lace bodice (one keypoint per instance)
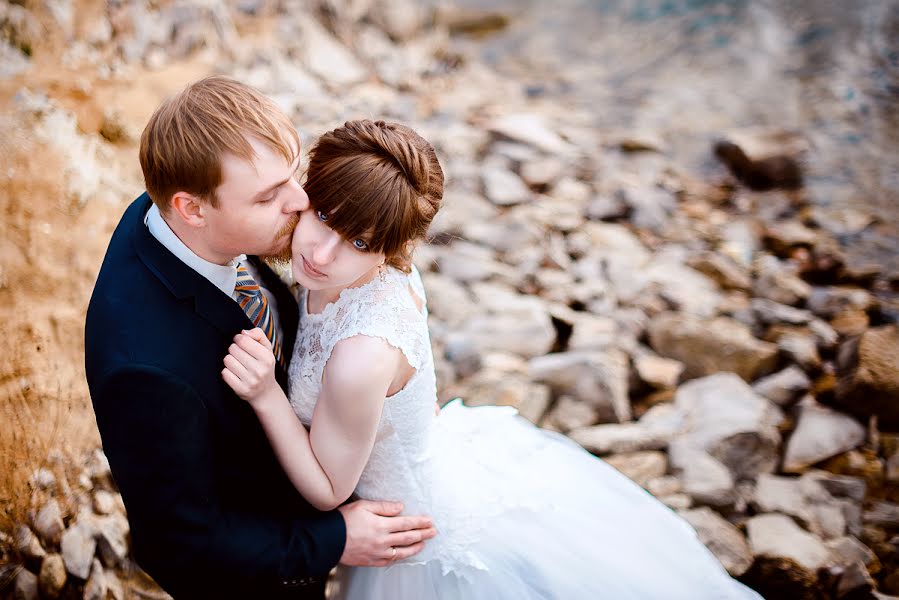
(425, 462)
(386, 309)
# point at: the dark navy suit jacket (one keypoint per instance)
(212, 514)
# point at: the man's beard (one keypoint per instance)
(281, 257)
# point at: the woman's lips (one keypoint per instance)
(311, 271)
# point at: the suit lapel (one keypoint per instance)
(182, 281)
(209, 301)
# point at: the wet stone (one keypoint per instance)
(78, 547)
(722, 538)
(48, 523)
(25, 586)
(52, 577)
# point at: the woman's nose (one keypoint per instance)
(326, 248)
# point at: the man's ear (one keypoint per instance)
(188, 209)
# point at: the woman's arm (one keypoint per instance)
(325, 463)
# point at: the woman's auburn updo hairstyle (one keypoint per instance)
(377, 181)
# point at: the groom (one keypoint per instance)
(212, 514)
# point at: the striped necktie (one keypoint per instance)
(254, 304)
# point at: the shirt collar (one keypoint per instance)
(224, 277)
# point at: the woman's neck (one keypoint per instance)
(317, 300)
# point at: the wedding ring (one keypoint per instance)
(393, 553)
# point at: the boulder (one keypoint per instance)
(801, 349)
(703, 478)
(531, 129)
(869, 376)
(570, 413)
(666, 485)
(884, 514)
(848, 549)
(805, 499)
(640, 467)
(48, 523)
(461, 208)
(112, 539)
(725, 418)
(325, 56)
(779, 282)
(448, 300)
(721, 537)
(658, 372)
(777, 536)
(98, 468)
(103, 502)
(624, 437)
(855, 582)
(607, 207)
(709, 346)
(25, 586)
(780, 494)
(769, 312)
(784, 387)
(820, 433)
(722, 270)
(686, 289)
(592, 332)
(28, 544)
(78, 546)
(43, 478)
(828, 302)
(524, 329)
(599, 378)
(542, 171)
(401, 20)
(784, 236)
(465, 262)
(52, 577)
(503, 187)
(95, 587)
(740, 240)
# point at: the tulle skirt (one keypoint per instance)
(526, 513)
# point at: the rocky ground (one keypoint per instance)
(717, 345)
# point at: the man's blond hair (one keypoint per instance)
(182, 145)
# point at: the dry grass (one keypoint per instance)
(34, 429)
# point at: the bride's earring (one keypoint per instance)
(382, 273)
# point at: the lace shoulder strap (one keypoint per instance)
(385, 309)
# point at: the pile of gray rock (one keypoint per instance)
(76, 542)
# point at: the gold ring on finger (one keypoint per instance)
(392, 553)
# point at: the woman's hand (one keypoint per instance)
(250, 368)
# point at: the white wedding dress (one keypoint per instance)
(520, 512)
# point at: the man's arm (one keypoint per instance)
(158, 439)
(325, 463)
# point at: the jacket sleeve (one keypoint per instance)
(157, 436)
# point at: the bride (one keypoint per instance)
(520, 512)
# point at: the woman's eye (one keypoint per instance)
(321, 216)
(360, 245)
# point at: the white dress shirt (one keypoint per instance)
(224, 277)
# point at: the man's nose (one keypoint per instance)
(297, 201)
(326, 248)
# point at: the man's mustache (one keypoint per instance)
(289, 226)
(282, 256)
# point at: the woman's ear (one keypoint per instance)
(188, 209)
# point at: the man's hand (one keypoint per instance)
(375, 529)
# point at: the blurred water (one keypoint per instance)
(694, 69)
